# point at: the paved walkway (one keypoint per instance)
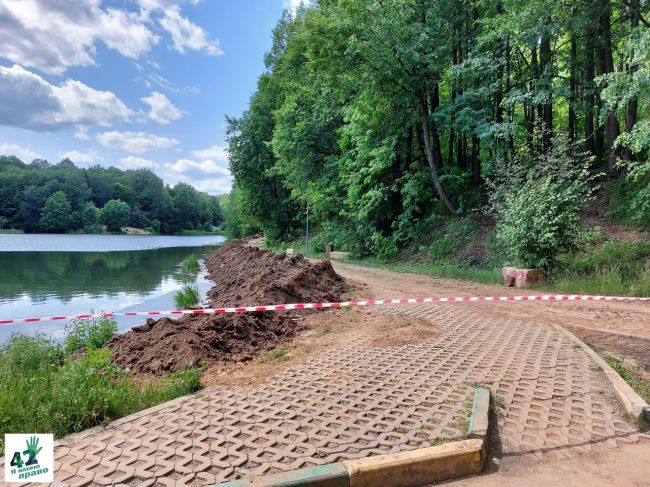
(357, 401)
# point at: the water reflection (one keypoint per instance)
(43, 276)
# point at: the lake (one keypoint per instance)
(46, 275)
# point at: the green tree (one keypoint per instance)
(115, 214)
(91, 216)
(56, 215)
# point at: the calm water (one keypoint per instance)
(71, 274)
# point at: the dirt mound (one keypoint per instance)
(248, 276)
(243, 276)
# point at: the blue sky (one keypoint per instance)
(131, 83)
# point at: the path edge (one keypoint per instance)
(632, 401)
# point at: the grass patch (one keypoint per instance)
(277, 355)
(628, 372)
(187, 296)
(614, 268)
(326, 329)
(62, 388)
(10, 231)
(190, 264)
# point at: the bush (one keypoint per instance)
(115, 214)
(88, 334)
(537, 204)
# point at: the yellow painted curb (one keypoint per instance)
(417, 467)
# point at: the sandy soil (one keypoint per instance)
(625, 466)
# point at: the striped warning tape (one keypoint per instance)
(342, 304)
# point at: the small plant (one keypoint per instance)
(327, 329)
(190, 264)
(277, 355)
(187, 297)
(88, 334)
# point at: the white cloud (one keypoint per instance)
(23, 153)
(208, 166)
(213, 186)
(186, 34)
(28, 101)
(132, 162)
(137, 142)
(214, 152)
(89, 157)
(55, 35)
(161, 110)
(82, 133)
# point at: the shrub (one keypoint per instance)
(88, 334)
(537, 204)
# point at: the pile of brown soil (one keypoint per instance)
(248, 276)
(243, 276)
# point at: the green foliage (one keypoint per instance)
(537, 204)
(91, 217)
(26, 189)
(44, 391)
(88, 334)
(629, 202)
(187, 296)
(56, 215)
(115, 214)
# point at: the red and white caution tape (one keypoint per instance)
(342, 304)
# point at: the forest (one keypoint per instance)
(388, 119)
(59, 198)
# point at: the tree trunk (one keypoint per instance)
(590, 90)
(612, 129)
(633, 104)
(573, 88)
(547, 110)
(433, 153)
(476, 162)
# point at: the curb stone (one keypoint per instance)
(404, 469)
(633, 403)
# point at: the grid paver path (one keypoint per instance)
(357, 401)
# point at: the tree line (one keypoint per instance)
(58, 198)
(381, 116)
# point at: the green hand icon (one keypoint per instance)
(32, 450)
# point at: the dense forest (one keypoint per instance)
(386, 118)
(40, 197)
